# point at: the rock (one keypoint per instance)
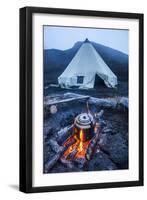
(54, 145)
(61, 168)
(103, 139)
(107, 130)
(99, 114)
(117, 149)
(47, 131)
(124, 101)
(80, 162)
(68, 119)
(58, 168)
(109, 103)
(118, 102)
(100, 162)
(102, 123)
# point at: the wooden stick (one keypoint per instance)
(64, 133)
(49, 103)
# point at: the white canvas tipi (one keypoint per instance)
(84, 67)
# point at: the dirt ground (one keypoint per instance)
(99, 91)
(114, 154)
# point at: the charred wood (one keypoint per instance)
(66, 162)
(91, 148)
(64, 133)
(55, 158)
(54, 145)
(110, 102)
(69, 164)
(99, 114)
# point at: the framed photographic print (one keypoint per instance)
(81, 99)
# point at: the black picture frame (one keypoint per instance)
(26, 90)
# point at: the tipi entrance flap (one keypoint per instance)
(98, 80)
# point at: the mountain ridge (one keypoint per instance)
(55, 61)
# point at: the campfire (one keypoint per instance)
(85, 128)
(83, 139)
(81, 142)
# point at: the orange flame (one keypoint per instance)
(79, 145)
(81, 135)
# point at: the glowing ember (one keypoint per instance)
(82, 149)
(96, 127)
(78, 148)
(81, 146)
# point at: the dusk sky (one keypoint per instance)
(65, 37)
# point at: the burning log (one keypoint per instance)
(64, 133)
(92, 145)
(53, 161)
(72, 154)
(99, 119)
